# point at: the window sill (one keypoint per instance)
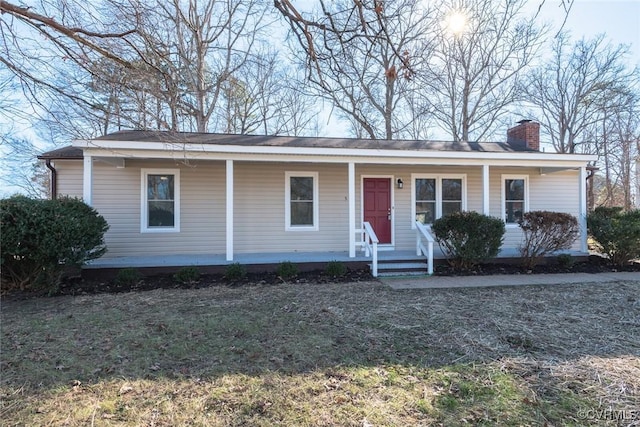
(159, 230)
(301, 229)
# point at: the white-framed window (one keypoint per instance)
(301, 201)
(434, 196)
(160, 201)
(515, 197)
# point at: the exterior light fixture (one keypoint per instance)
(400, 183)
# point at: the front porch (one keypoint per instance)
(233, 206)
(262, 262)
(254, 260)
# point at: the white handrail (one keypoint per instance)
(370, 244)
(423, 232)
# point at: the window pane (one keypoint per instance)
(451, 190)
(160, 187)
(514, 211)
(425, 189)
(425, 212)
(301, 188)
(514, 189)
(301, 213)
(451, 207)
(161, 214)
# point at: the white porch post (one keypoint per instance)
(87, 180)
(485, 189)
(582, 209)
(229, 210)
(352, 209)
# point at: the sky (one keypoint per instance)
(619, 20)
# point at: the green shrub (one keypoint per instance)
(235, 271)
(565, 261)
(187, 275)
(41, 238)
(287, 270)
(468, 238)
(616, 233)
(544, 233)
(335, 269)
(128, 276)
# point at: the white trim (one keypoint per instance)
(392, 179)
(438, 178)
(87, 180)
(287, 198)
(352, 208)
(229, 209)
(486, 208)
(199, 149)
(582, 208)
(567, 162)
(503, 178)
(144, 214)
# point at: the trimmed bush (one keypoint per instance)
(565, 261)
(616, 233)
(235, 271)
(41, 238)
(544, 233)
(287, 270)
(468, 238)
(187, 275)
(335, 269)
(128, 277)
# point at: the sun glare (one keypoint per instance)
(456, 22)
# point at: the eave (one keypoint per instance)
(183, 151)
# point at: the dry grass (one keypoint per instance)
(333, 354)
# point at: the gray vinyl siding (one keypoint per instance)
(69, 177)
(556, 192)
(259, 209)
(259, 204)
(117, 193)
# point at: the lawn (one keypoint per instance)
(356, 354)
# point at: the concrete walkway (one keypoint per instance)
(439, 282)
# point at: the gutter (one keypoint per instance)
(120, 148)
(54, 176)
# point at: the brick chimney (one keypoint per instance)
(526, 132)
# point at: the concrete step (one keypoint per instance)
(390, 274)
(401, 268)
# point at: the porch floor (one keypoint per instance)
(180, 260)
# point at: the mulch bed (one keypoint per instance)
(594, 264)
(79, 286)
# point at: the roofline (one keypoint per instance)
(182, 148)
(41, 157)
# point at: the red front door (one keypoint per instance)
(377, 206)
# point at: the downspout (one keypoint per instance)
(53, 183)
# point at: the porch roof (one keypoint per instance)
(205, 146)
(65, 153)
(309, 142)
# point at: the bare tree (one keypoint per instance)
(574, 87)
(361, 57)
(168, 67)
(482, 49)
(262, 98)
(615, 138)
